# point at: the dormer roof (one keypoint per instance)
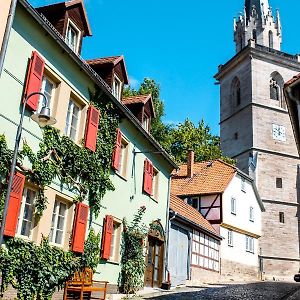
(140, 99)
(110, 60)
(53, 11)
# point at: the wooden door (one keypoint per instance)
(154, 263)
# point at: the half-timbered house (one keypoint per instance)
(229, 200)
(194, 248)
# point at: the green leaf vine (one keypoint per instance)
(36, 271)
(132, 257)
(82, 171)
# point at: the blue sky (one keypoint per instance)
(177, 43)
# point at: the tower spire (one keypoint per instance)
(261, 6)
(259, 24)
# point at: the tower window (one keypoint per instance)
(271, 43)
(254, 36)
(274, 90)
(281, 217)
(276, 87)
(279, 183)
(236, 91)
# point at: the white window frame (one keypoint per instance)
(123, 159)
(41, 100)
(68, 125)
(73, 26)
(230, 238)
(21, 214)
(115, 245)
(249, 244)
(146, 122)
(233, 206)
(251, 214)
(114, 92)
(52, 242)
(243, 184)
(155, 183)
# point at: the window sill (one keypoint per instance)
(251, 221)
(56, 245)
(24, 237)
(249, 252)
(231, 246)
(233, 213)
(154, 199)
(117, 263)
(121, 176)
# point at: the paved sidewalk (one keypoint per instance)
(155, 292)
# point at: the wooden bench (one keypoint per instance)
(82, 285)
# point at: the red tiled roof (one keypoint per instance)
(105, 60)
(292, 80)
(188, 212)
(136, 99)
(208, 178)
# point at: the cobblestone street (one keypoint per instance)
(253, 291)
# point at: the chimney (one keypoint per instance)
(190, 164)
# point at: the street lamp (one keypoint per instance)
(43, 118)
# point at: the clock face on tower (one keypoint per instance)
(279, 133)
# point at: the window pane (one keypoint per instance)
(58, 238)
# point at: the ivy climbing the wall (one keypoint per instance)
(84, 172)
(36, 271)
(132, 258)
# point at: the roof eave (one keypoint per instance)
(198, 226)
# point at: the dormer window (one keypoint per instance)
(117, 88)
(72, 36)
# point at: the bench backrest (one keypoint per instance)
(85, 276)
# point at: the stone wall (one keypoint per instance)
(200, 276)
(281, 270)
(233, 271)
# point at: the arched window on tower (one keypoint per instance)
(236, 91)
(276, 89)
(254, 36)
(271, 43)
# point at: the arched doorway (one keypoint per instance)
(155, 255)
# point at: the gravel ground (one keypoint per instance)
(252, 291)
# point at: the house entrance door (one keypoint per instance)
(154, 263)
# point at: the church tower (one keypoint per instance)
(259, 24)
(255, 129)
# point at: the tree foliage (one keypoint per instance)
(178, 139)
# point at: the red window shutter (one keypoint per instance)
(148, 177)
(14, 205)
(34, 80)
(106, 236)
(150, 170)
(92, 128)
(79, 227)
(117, 151)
